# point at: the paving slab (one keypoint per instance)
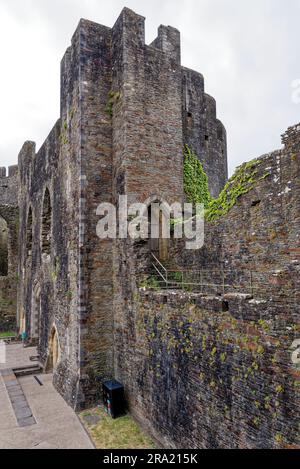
(18, 398)
(12, 383)
(26, 421)
(53, 423)
(15, 392)
(18, 356)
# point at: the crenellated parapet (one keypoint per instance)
(9, 186)
(291, 138)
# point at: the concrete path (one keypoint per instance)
(57, 426)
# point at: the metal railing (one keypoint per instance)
(203, 281)
(280, 285)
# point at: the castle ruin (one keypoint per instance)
(202, 368)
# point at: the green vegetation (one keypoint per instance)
(121, 433)
(3, 335)
(279, 438)
(5, 303)
(69, 295)
(64, 134)
(240, 183)
(113, 97)
(264, 325)
(195, 179)
(196, 185)
(151, 283)
(176, 276)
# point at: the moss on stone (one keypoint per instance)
(113, 97)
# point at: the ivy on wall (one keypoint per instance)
(243, 181)
(195, 179)
(196, 185)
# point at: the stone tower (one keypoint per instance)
(127, 110)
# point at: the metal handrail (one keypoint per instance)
(155, 258)
(244, 280)
(165, 274)
(160, 274)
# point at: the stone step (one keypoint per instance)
(28, 370)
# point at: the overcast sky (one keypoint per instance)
(248, 52)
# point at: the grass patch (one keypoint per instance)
(7, 334)
(121, 433)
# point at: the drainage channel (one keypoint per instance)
(17, 398)
(38, 381)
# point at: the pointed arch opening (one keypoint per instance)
(158, 218)
(46, 224)
(53, 351)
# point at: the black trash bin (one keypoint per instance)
(113, 398)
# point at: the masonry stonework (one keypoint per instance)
(213, 368)
(9, 225)
(209, 368)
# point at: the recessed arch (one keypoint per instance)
(158, 214)
(3, 247)
(46, 223)
(53, 351)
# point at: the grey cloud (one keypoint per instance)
(248, 52)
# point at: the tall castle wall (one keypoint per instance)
(202, 131)
(132, 145)
(48, 260)
(8, 247)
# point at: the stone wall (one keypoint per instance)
(96, 256)
(202, 131)
(8, 304)
(9, 225)
(202, 374)
(261, 232)
(214, 369)
(48, 261)
(3, 247)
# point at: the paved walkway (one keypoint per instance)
(57, 426)
(18, 356)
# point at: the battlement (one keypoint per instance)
(291, 138)
(168, 41)
(12, 171)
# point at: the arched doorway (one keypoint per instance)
(158, 228)
(53, 352)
